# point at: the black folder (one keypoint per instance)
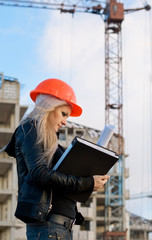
(83, 158)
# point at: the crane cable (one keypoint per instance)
(149, 204)
(150, 89)
(147, 123)
(146, 98)
(126, 113)
(71, 51)
(63, 43)
(61, 47)
(143, 115)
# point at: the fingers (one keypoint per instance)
(100, 181)
(104, 181)
(105, 176)
(102, 176)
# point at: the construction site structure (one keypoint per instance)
(10, 114)
(113, 12)
(93, 210)
(115, 197)
(115, 225)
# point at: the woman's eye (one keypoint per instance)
(64, 114)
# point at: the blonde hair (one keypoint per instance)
(46, 135)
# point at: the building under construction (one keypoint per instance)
(94, 210)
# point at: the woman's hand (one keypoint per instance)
(99, 181)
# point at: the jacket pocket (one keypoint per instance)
(31, 212)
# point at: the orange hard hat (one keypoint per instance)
(59, 89)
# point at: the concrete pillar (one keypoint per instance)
(94, 199)
(145, 235)
(17, 114)
(14, 188)
(127, 225)
(12, 233)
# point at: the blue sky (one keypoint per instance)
(38, 44)
(20, 33)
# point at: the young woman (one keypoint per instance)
(43, 201)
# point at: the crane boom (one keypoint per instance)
(72, 6)
(67, 6)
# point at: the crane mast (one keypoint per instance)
(115, 187)
(114, 200)
(113, 12)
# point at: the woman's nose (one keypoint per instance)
(64, 121)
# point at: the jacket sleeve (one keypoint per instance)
(40, 174)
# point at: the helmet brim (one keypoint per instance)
(76, 109)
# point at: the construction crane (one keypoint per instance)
(112, 12)
(141, 195)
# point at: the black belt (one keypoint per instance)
(65, 221)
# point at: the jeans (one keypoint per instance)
(47, 231)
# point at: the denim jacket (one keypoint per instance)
(36, 180)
